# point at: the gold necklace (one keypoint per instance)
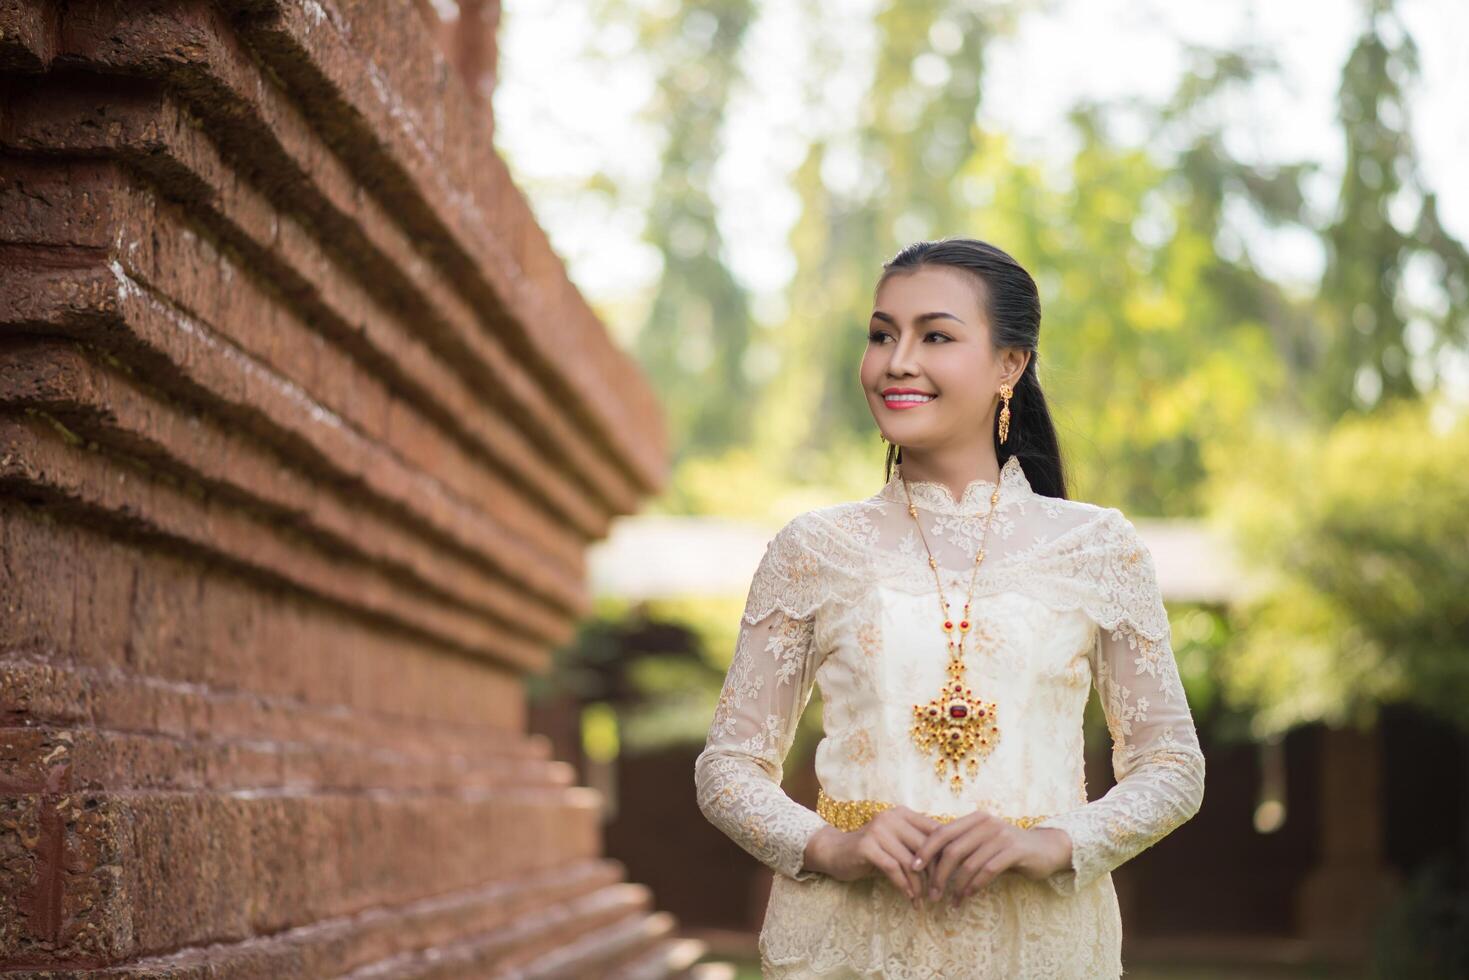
(958, 724)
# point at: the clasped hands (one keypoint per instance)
(923, 857)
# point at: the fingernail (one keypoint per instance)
(933, 893)
(918, 862)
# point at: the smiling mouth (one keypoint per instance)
(903, 402)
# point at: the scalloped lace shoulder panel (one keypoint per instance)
(1067, 554)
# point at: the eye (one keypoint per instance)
(876, 336)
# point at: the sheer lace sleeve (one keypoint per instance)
(737, 776)
(1156, 760)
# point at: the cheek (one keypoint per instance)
(962, 381)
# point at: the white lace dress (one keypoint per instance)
(1067, 597)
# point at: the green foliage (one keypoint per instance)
(1144, 359)
(695, 339)
(1365, 524)
(1386, 221)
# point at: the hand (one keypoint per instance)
(886, 844)
(972, 850)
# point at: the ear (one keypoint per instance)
(1013, 361)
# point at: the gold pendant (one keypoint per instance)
(959, 725)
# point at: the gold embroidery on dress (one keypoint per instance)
(859, 747)
(851, 814)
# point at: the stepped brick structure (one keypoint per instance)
(304, 432)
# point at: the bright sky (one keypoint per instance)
(572, 102)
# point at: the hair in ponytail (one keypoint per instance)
(1013, 306)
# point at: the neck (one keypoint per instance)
(954, 469)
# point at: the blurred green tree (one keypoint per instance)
(1386, 228)
(1365, 526)
(694, 341)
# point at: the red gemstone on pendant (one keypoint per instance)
(981, 712)
(958, 711)
(948, 624)
(964, 625)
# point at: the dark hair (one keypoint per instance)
(1013, 305)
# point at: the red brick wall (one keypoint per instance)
(303, 435)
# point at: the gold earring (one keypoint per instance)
(1005, 392)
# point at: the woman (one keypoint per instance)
(955, 621)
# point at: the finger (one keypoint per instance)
(998, 864)
(945, 861)
(895, 866)
(921, 820)
(876, 851)
(900, 838)
(968, 876)
(888, 864)
(955, 852)
(992, 869)
(938, 839)
(911, 837)
(922, 823)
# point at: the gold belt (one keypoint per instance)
(851, 814)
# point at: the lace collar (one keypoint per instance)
(934, 496)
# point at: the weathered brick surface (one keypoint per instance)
(169, 274)
(115, 607)
(384, 313)
(460, 210)
(40, 461)
(554, 910)
(105, 406)
(148, 872)
(303, 434)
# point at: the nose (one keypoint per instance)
(902, 364)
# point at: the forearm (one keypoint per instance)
(819, 849)
(736, 795)
(1056, 854)
(1144, 807)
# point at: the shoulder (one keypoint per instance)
(835, 528)
(1079, 525)
(1119, 534)
(1119, 574)
(807, 533)
(1098, 544)
(827, 542)
(1099, 524)
(807, 564)
(1068, 513)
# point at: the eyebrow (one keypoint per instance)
(920, 318)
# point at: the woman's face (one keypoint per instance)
(929, 335)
